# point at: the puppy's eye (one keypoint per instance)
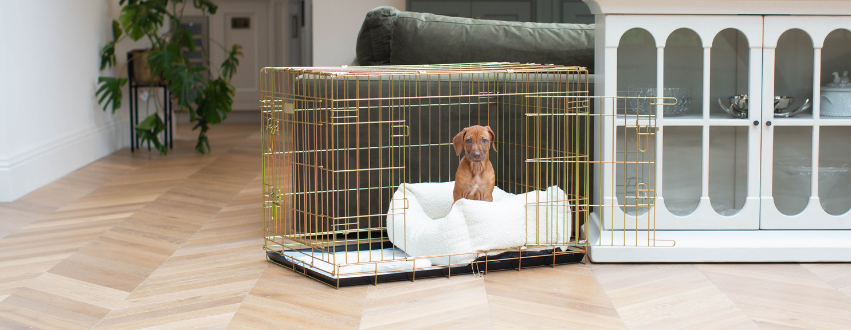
(484, 140)
(469, 140)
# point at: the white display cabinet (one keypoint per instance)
(727, 189)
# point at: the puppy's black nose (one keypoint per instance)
(477, 154)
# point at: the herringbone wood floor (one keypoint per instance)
(141, 241)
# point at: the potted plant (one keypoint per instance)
(207, 99)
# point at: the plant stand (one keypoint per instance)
(168, 134)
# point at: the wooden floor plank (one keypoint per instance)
(837, 275)
(282, 299)
(457, 302)
(563, 297)
(669, 297)
(785, 295)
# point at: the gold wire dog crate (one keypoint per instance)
(343, 148)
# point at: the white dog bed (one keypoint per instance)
(423, 222)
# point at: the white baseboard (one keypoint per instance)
(27, 171)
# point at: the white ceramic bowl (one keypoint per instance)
(642, 106)
(803, 167)
(835, 102)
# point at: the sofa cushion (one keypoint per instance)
(392, 37)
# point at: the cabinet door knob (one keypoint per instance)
(756, 122)
(768, 123)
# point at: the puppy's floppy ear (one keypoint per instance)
(493, 137)
(458, 142)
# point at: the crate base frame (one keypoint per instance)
(509, 260)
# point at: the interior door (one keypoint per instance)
(806, 158)
(245, 23)
(290, 33)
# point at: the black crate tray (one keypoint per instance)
(503, 261)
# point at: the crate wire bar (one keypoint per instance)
(339, 141)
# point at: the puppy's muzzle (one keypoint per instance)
(477, 156)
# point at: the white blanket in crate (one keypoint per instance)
(358, 261)
(423, 222)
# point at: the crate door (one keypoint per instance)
(368, 140)
(554, 146)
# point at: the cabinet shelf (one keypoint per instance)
(804, 119)
(835, 121)
(684, 120)
(689, 120)
(730, 122)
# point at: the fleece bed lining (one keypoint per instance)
(424, 220)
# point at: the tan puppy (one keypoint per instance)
(475, 177)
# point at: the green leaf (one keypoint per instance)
(206, 5)
(152, 123)
(202, 136)
(148, 130)
(215, 101)
(110, 91)
(187, 40)
(202, 142)
(127, 18)
(161, 60)
(182, 82)
(188, 109)
(140, 18)
(107, 55)
(231, 62)
(116, 30)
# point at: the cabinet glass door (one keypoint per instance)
(733, 139)
(708, 160)
(834, 189)
(806, 156)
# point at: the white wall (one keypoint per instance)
(335, 28)
(50, 123)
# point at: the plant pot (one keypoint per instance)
(141, 69)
